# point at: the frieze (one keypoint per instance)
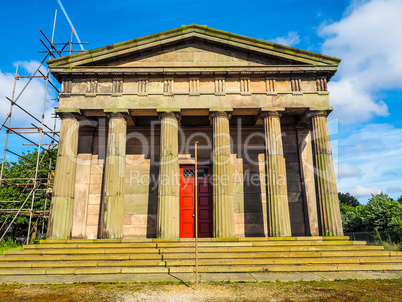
(220, 86)
(270, 86)
(117, 87)
(92, 87)
(168, 86)
(245, 86)
(143, 87)
(295, 84)
(194, 86)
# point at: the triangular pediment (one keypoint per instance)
(195, 53)
(193, 46)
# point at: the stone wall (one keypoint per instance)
(141, 188)
(294, 181)
(89, 183)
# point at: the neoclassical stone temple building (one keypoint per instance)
(131, 113)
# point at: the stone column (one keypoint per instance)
(327, 193)
(308, 177)
(114, 177)
(223, 206)
(168, 219)
(60, 223)
(308, 180)
(277, 192)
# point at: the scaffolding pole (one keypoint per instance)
(33, 184)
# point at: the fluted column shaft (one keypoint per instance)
(277, 193)
(115, 172)
(223, 206)
(327, 193)
(60, 223)
(168, 220)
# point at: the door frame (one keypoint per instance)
(192, 166)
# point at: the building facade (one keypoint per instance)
(132, 112)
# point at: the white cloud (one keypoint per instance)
(31, 100)
(369, 42)
(30, 66)
(353, 103)
(360, 191)
(290, 40)
(347, 170)
(379, 162)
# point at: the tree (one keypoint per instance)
(347, 199)
(352, 218)
(382, 213)
(17, 175)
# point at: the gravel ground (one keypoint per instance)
(351, 290)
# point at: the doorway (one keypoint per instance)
(187, 204)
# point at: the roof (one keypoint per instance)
(94, 58)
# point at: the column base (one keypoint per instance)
(168, 224)
(114, 216)
(62, 214)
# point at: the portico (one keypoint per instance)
(132, 112)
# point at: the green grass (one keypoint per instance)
(9, 245)
(7, 248)
(390, 246)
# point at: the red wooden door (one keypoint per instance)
(204, 203)
(186, 203)
(187, 206)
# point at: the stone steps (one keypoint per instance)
(201, 262)
(293, 254)
(203, 269)
(207, 256)
(188, 250)
(200, 244)
(344, 239)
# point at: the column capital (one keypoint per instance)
(314, 112)
(318, 111)
(224, 114)
(265, 114)
(117, 113)
(167, 114)
(69, 113)
(311, 114)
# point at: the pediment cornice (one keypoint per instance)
(300, 59)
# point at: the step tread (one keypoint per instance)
(202, 262)
(204, 269)
(129, 249)
(210, 254)
(83, 251)
(80, 257)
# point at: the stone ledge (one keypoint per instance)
(205, 277)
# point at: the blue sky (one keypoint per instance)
(366, 123)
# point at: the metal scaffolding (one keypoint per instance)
(42, 138)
